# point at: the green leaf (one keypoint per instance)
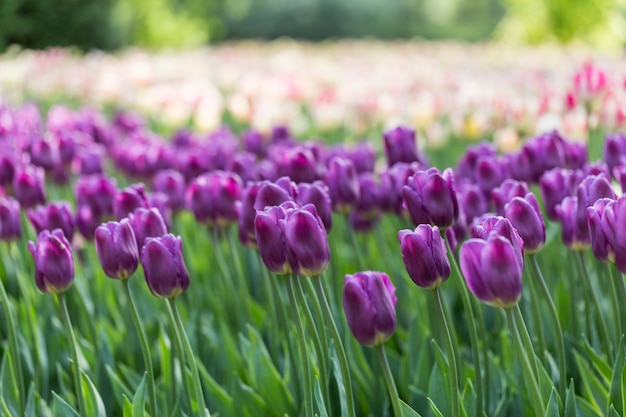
(319, 399)
(128, 407)
(407, 411)
(61, 408)
(439, 383)
(552, 410)
(433, 407)
(600, 364)
(341, 388)
(616, 399)
(93, 401)
(593, 389)
(613, 412)
(221, 401)
(139, 400)
(570, 401)
(120, 389)
(248, 403)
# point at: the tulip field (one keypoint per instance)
(352, 228)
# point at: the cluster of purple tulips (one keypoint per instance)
(281, 194)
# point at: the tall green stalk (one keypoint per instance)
(525, 337)
(180, 351)
(145, 349)
(556, 324)
(304, 357)
(452, 359)
(16, 362)
(593, 299)
(391, 384)
(531, 381)
(191, 361)
(457, 277)
(341, 352)
(71, 340)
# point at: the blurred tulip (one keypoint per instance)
(117, 250)
(430, 198)
(146, 223)
(526, 217)
(164, 266)
(424, 255)
(128, 200)
(10, 222)
(54, 263)
(29, 186)
(343, 183)
(214, 198)
(56, 215)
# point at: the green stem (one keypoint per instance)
(229, 286)
(473, 333)
(178, 341)
(617, 319)
(452, 359)
(14, 348)
(621, 288)
(537, 318)
(191, 361)
(593, 298)
(317, 341)
(71, 339)
(556, 324)
(304, 357)
(531, 382)
(525, 337)
(391, 385)
(341, 352)
(145, 349)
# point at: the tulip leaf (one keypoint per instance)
(593, 389)
(616, 398)
(439, 385)
(408, 411)
(552, 409)
(93, 401)
(319, 399)
(127, 407)
(570, 401)
(248, 402)
(341, 388)
(8, 387)
(613, 412)
(433, 407)
(221, 401)
(61, 408)
(120, 389)
(139, 400)
(600, 364)
(469, 398)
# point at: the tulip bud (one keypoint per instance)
(613, 219)
(96, 191)
(298, 163)
(269, 229)
(128, 200)
(425, 256)
(171, 183)
(147, 223)
(600, 240)
(275, 193)
(54, 264)
(369, 302)
(591, 189)
(430, 198)
(400, 146)
(307, 241)
(493, 270)
(117, 250)
(29, 186)
(573, 236)
(214, 198)
(164, 266)
(343, 184)
(10, 223)
(526, 217)
(317, 194)
(555, 185)
(505, 193)
(56, 215)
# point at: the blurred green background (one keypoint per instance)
(113, 24)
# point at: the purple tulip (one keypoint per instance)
(298, 163)
(29, 186)
(307, 241)
(369, 301)
(493, 270)
(128, 200)
(214, 198)
(44, 154)
(467, 166)
(317, 194)
(275, 193)
(472, 201)
(505, 193)
(573, 236)
(343, 184)
(555, 185)
(269, 229)
(254, 142)
(600, 242)
(96, 191)
(430, 198)
(362, 222)
(613, 219)
(391, 183)
(87, 221)
(247, 213)
(490, 172)
(171, 183)
(7, 168)
(591, 189)
(146, 223)
(56, 215)
(400, 146)
(525, 216)
(164, 266)
(90, 160)
(117, 250)
(501, 226)
(614, 149)
(10, 223)
(54, 263)
(424, 255)
(244, 164)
